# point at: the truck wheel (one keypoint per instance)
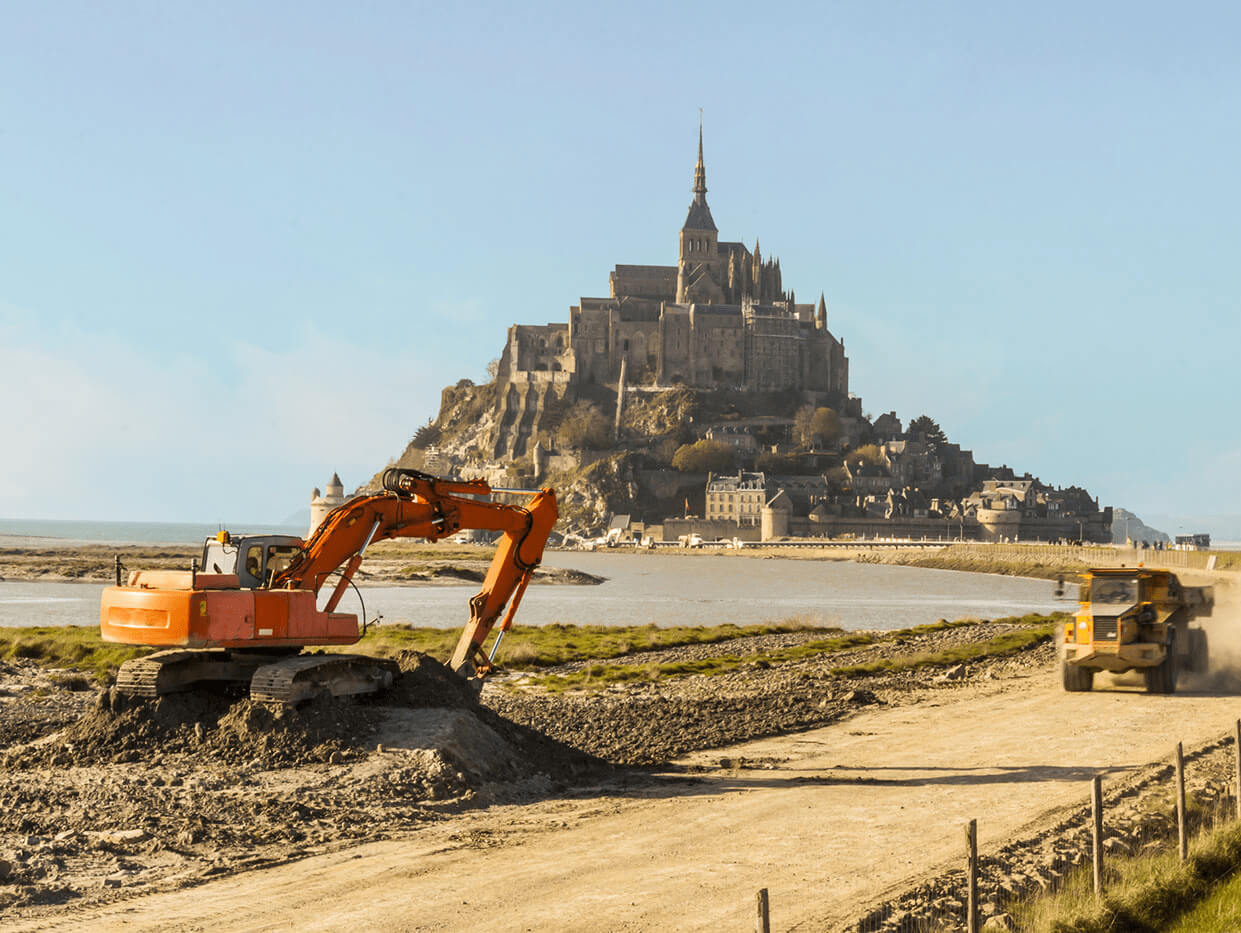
(1077, 679)
(1162, 677)
(1198, 654)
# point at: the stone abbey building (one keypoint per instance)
(719, 319)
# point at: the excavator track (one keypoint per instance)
(294, 680)
(181, 669)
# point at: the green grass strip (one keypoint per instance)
(533, 647)
(71, 646)
(1038, 629)
(81, 647)
(1144, 894)
(526, 649)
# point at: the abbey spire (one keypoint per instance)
(699, 217)
(700, 171)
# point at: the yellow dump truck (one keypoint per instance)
(1135, 619)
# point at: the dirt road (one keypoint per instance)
(828, 820)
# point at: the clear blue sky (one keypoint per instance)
(245, 245)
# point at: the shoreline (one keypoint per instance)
(418, 564)
(399, 566)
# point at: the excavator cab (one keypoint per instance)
(255, 559)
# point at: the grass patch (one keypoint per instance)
(1149, 893)
(530, 649)
(71, 646)
(1049, 569)
(424, 551)
(539, 646)
(1038, 629)
(81, 647)
(1217, 913)
(1227, 560)
(1000, 646)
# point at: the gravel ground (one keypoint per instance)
(650, 723)
(101, 795)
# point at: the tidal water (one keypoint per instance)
(659, 589)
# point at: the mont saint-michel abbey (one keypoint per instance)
(720, 318)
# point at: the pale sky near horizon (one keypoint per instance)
(246, 244)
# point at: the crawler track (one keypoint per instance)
(180, 669)
(287, 681)
(293, 680)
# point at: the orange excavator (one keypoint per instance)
(246, 612)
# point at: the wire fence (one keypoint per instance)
(1127, 820)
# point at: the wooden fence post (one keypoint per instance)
(763, 923)
(1237, 751)
(971, 871)
(1096, 832)
(1182, 834)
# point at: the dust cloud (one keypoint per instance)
(1223, 631)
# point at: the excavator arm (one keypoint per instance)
(419, 505)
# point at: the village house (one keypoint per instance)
(738, 498)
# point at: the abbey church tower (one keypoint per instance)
(700, 270)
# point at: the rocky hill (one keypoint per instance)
(593, 462)
(1126, 525)
(649, 451)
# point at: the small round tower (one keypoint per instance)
(322, 503)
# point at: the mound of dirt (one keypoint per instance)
(215, 726)
(222, 728)
(132, 792)
(424, 682)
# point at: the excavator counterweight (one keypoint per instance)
(247, 611)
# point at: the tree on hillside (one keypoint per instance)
(801, 424)
(810, 422)
(868, 454)
(584, 426)
(704, 456)
(767, 462)
(426, 435)
(929, 429)
(826, 425)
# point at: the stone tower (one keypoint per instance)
(699, 268)
(320, 505)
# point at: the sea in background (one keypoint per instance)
(16, 532)
(638, 588)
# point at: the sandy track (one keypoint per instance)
(829, 820)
